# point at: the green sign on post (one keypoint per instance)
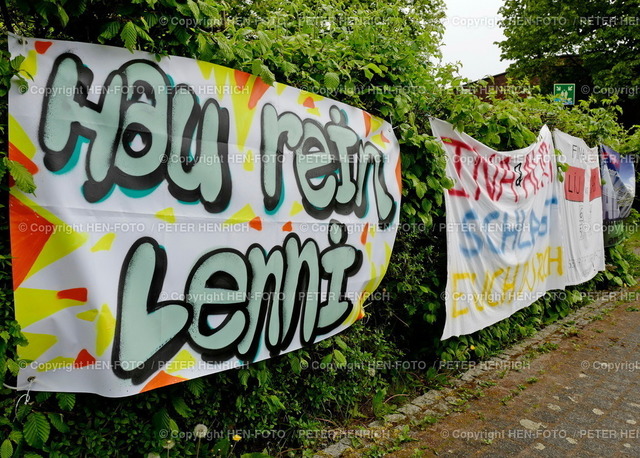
(565, 93)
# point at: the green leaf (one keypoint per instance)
(143, 33)
(6, 449)
(243, 377)
(64, 17)
(16, 62)
(378, 401)
(339, 357)
(331, 80)
(194, 8)
(196, 386)
(204, 49)
(266, 75)
(262, 375)
(341, 343)
(181, 407)
(58, 423)
(288, 68)
(373, 67)
(43, 9)
(43, 396)
(16, 436)
(151, 19)
(129, 35)
(275, 402)
(36, 429)
(66, 401)
(296, 367)
(22, 177)
(225, 48)
(161, 420)
(207, 9)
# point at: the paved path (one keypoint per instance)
(580, 399)
(571, 390)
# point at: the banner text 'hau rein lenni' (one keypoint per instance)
(144, 132)
(166, 119)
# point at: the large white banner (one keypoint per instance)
(581, 208)
(506, 236)
(189, 218)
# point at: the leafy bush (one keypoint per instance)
(371, 55)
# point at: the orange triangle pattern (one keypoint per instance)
(258, 90)
(26, 245)
(16, 155)
(363, 237)
(42, 46)
(241, 78)
(75, 294)
(160, 380)
(308, 103)
(256, 223)
(84, 358)
(399, 173)
(367, 123)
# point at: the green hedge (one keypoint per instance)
(375, 56)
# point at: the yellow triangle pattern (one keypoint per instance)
(377, 139)
(279, 87)
(29, 66)
(183, 360)
(38, 344)
(88, 315)
(369, 249)
(105, 329)
(296, 208)
(205, 68)
(42, 303)
(248, 161)
(105, 242)
(20, 138)
(60, 244)
(387, 259)
(244, 215)
(241, 111)
(304, 95)
(166, 215)
(376, 123)
(221, 75)
(369, 288)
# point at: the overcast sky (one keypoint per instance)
(472, 29)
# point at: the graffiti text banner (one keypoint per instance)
(189, 218)
(507, 239)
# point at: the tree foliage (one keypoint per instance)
(605, 34)
(601, 39)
